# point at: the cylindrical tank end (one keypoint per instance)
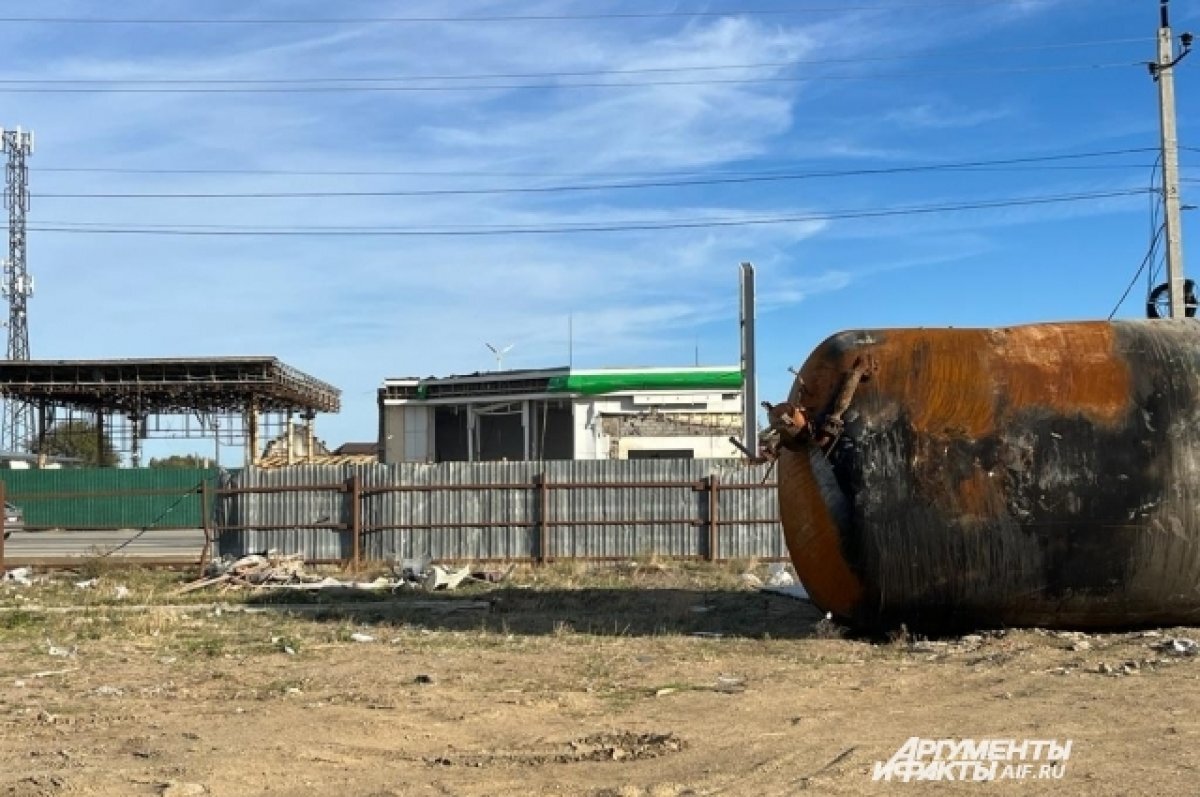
(812, 511)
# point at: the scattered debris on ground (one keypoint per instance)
(598, 747)
(1178, 646)
(21, 576)
(287, 571)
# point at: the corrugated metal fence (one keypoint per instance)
(504, 510)
(108, 498)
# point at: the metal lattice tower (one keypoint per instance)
(17, 428)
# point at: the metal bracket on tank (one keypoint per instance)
(832, 424)
(791, 426)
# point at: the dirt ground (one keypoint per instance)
(653, 680)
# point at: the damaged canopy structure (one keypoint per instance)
(232, 398)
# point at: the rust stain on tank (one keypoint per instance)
(966, 381)
(1066, 368)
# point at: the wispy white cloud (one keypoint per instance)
(356, 310)
(944, 115)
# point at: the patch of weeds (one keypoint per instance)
(284, 686)
(210, 646)
(97, 566)
(20, 620)
(900, 637)
(825, 628)
(676, 686)
(289, 645)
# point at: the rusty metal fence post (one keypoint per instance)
(543, 524)
(206, 522)
(354, 488)
(714, 529)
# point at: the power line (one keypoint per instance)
(419, 173)
(707, 181)
(1145, 261)
(193, 81)
(356, 88)
(966, 6)
(578, 227)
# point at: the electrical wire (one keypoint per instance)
(323, 89)
(1156, 233)
(417, 173)
(575, 188)
(478, 18)
(1155, 198)
(149, 526)
(1145, 261)
(956, 56)
(574, 228)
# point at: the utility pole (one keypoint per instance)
(1163, 72)
(17, 424)
(749, 369)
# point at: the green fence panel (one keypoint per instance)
(108, 498)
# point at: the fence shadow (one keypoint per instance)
(589, 610)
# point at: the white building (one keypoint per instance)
(562, 413)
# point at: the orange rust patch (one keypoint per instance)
(1069, 368)
(963, 382)
(813, 539)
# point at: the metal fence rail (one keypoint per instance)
(535, 511)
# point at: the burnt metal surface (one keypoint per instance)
(1037, 475)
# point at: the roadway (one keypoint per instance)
(184, 545)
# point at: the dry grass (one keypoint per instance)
(753, 693)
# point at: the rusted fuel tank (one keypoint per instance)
(1036, 475)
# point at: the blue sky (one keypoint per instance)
(894, 84)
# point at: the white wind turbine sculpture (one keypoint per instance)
(500, 354)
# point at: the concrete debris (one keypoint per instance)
(59, 652)
(287, 572)
(87, 584)
(780, 575)
(21, 576)
(1178, 646)
(439, 577)
(428, 576)
(794, 591)
(360, 637)
(49, 673)
(121, 592)
(730, 684)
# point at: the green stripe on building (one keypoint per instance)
(597, 384)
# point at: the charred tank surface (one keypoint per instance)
(1037, 475)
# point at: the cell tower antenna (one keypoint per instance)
(16, 425)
